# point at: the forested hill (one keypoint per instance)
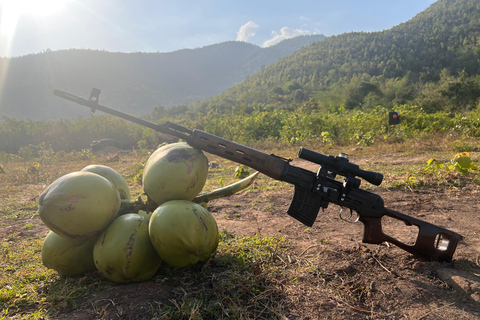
(134, 82)
(390, 67)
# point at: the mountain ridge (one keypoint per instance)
(131, 81)
(445, 36)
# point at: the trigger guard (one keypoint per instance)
(349, 218)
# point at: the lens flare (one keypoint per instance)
(12, 10)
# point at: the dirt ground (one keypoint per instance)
(398, 285)
(394, 284)
(353, 280)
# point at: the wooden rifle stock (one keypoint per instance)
(432, 243)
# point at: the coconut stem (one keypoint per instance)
(226, 191)
(132, 207)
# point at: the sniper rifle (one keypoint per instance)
(312, 190)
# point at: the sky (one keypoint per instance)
(34, 26)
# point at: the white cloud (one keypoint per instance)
(285, 33)
(247, 31)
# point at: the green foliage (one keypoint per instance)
(85, 154)
(6, 157)
(433, 166)
(296, 124)
(26, 152)
(138, 177)
(411, 182)
(242, 172)
(41, 151)
(40, 139)
(463, 163)
(451, 93)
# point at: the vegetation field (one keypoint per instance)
(268, 265)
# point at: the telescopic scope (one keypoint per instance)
(340, 165)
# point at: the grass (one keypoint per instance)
(246, 277)
(239, 275)
(22, 275)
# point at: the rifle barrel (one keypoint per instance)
(167, 128)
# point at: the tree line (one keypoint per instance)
(301, 122)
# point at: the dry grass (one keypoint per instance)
(250, 278)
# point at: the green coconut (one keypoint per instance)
(175, 172)
(79, 204)
(123, 253)
(183, 233)
(111, 175)
(69, 257)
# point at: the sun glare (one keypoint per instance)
(38, 8)
(12, 10)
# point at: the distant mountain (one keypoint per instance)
(350, 66)
(134, 82)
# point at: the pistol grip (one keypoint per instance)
(372, 232)
(304, 206)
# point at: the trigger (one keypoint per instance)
(352, 218)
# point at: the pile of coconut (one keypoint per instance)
(94, 225)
